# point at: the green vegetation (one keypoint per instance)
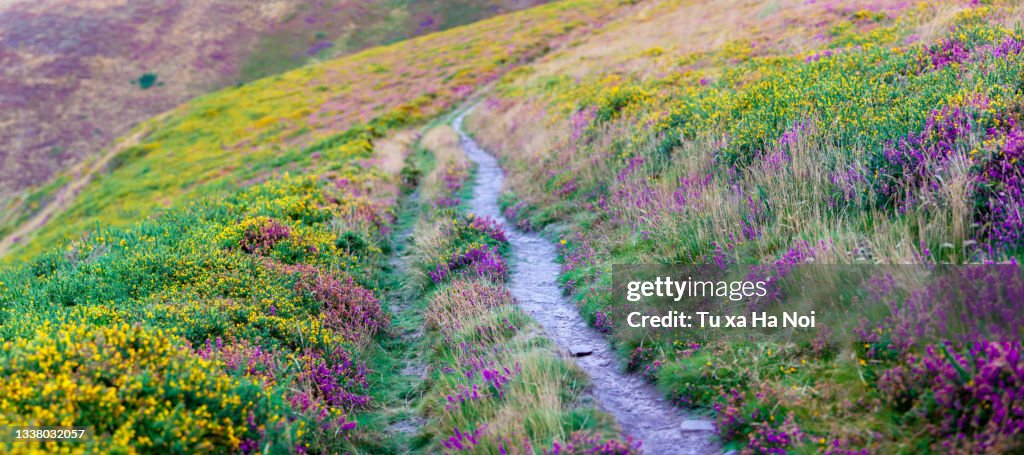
(317, 30)
(225, 140)
(233, 322)
(248, 316)
(147, 80)
(18, 210)
(224, 285)
(861, 144)
(496, 383)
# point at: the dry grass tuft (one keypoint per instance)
(463, 302)
(390, 152)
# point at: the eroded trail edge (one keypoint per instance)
(638, 407)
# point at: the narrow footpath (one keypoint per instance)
(638, 407)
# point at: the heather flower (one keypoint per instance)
(638, 194)
(464, 441)
(769, 439)
(641, 355)
(752, 417)
(453, 178)
(730, 418)
(489, 226)
(912, 164)
(602, 322)
(793, 136)
(348, 308)
(464, 394)
(650, 371)
(567, 188)
(240, 355)
(631, 164)
(690, 191)
(581, 254)
(972, 399)
(337, 380)
(1002, 183)
(947, 52)
(848, 183)
(754, 213)
(814, 57)
(496, 378)
(439, 274)
(585, 443)
(261, 234)
(479, 261)
(772, 274)
(582, 119)
(447, 202)
(723, 255)
(961, 304)
(684, 350)
(249, 446)
(517, 214)
(476, 361)
(1009, 46)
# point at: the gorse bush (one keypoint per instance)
(129, 383)
(234, 324)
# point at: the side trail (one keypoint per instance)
(638, 407)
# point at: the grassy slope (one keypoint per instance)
(69, 102)
(243, 318)
(248, 133)
(199, 330)
(780, 143)
(331, 29)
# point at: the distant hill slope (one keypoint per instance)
(246, 134)
(75, 74)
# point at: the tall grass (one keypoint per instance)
(874, 134)
(497, 384)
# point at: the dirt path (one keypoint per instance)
(83, 172)
(639, 408)
(409, 326)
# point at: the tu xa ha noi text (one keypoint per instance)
(735, 291)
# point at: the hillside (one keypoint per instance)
(440, 244)
(248, 132)
(259, 312)
(76, 75)
(772, 140)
